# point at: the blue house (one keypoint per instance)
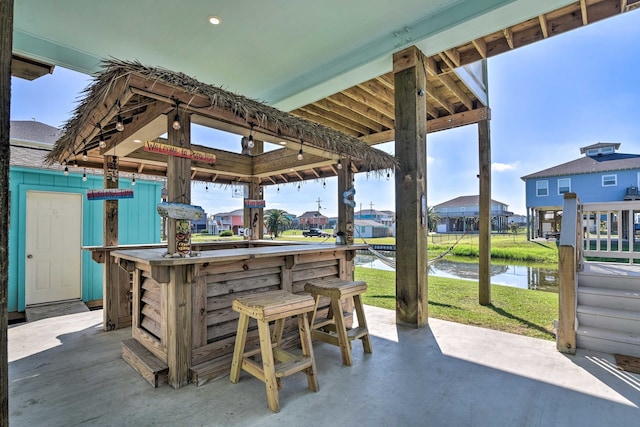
(387, 218)
(601, 175)
(51, 219)
(461, 215)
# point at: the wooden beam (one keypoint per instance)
(508, 35)
(363, 109)
(454, 56)
(110, 303)
(481, 47)
(6, 40)
(284, 161)
(544, 26)
(329, 105)
(459, 119)
(438, 97)
(378, 138)
(448, 81)
(411, 190)
(583, 11)
(340, 121)
(139, 121)
(484, 221)
(361, 96)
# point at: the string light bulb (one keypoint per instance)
(84, 175)
(101, 142)
(388, 176)
(298, 186)
(133, 181)
(85, 156)
(66, 171)
(176, 119)
(339, 163)
(119, 124)
(250, 143)
(300, 151)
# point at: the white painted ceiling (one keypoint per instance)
(285, 52)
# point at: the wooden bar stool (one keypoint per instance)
(276, 363)
(333, 330)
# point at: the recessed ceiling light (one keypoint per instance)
(215, 20)
(282, 142)
(137, 141)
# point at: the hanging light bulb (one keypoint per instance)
(298, 186)
(66, 171)
(176, 119)
(278, 189)
(206, 187)
(84, 175)
(85, 156)
(300, 152)
(102, 143)
(119, 124)
(324, 184)
(388, 176)
(339, 163)
(133, 181)
(250, 143)
(75, 164)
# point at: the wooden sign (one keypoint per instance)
(253, 204)
(181, 211)
(187, 153)
(112, 168)
(110, 194)
(183, 237)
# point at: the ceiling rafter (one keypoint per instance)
(544, 26)
(583, 11)
(508, 35)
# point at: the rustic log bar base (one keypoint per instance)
(182, 316)
(276, 363)
(334, 330)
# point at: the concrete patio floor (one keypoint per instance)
(65, 371)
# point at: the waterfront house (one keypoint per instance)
(461, 215)
(601, 174)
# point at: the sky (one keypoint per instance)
(547, 100)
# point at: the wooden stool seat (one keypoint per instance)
(276, 363)
(333, 330)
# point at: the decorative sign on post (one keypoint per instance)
(112, 168)
(347, 197)
(239, 191)
(110, 194)
(254, 204)
(187, 153)
(183, 237)
(181, 211)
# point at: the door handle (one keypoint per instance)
(29, 256)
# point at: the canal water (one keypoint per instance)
(519, 275)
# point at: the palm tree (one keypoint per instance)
(432, 218)
(277, 221)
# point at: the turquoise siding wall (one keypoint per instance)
(138, 222)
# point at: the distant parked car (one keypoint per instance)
(315, 232)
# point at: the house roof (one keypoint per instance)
(465, 201)
(26, 131)
(374, 212)
(585, 165)
(312, 214)
(616, 145)
(369, 223)
(232, 213)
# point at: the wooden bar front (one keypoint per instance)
(182, 306)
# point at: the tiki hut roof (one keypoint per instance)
(144, 98)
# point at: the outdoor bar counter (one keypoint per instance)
(183, 327)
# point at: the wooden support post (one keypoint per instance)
(179, 336)
(110, 283)
(6, 41)
(254, 217)
(411, 187)
(178, 170)
(345, 213)
(484, 224)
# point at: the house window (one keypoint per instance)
(444, 210)
(609, 180)
(564, 185)
(542, 188)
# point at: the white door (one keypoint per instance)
(53, 240)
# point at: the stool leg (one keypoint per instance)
(268, 368)
(362, 322)
(307, 350)
(341, 330)
(241, 337)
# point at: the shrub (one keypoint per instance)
(226, 233)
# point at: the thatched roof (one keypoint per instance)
(140, 94)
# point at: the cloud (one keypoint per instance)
(503, 167)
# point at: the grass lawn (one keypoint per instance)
(514, 310)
